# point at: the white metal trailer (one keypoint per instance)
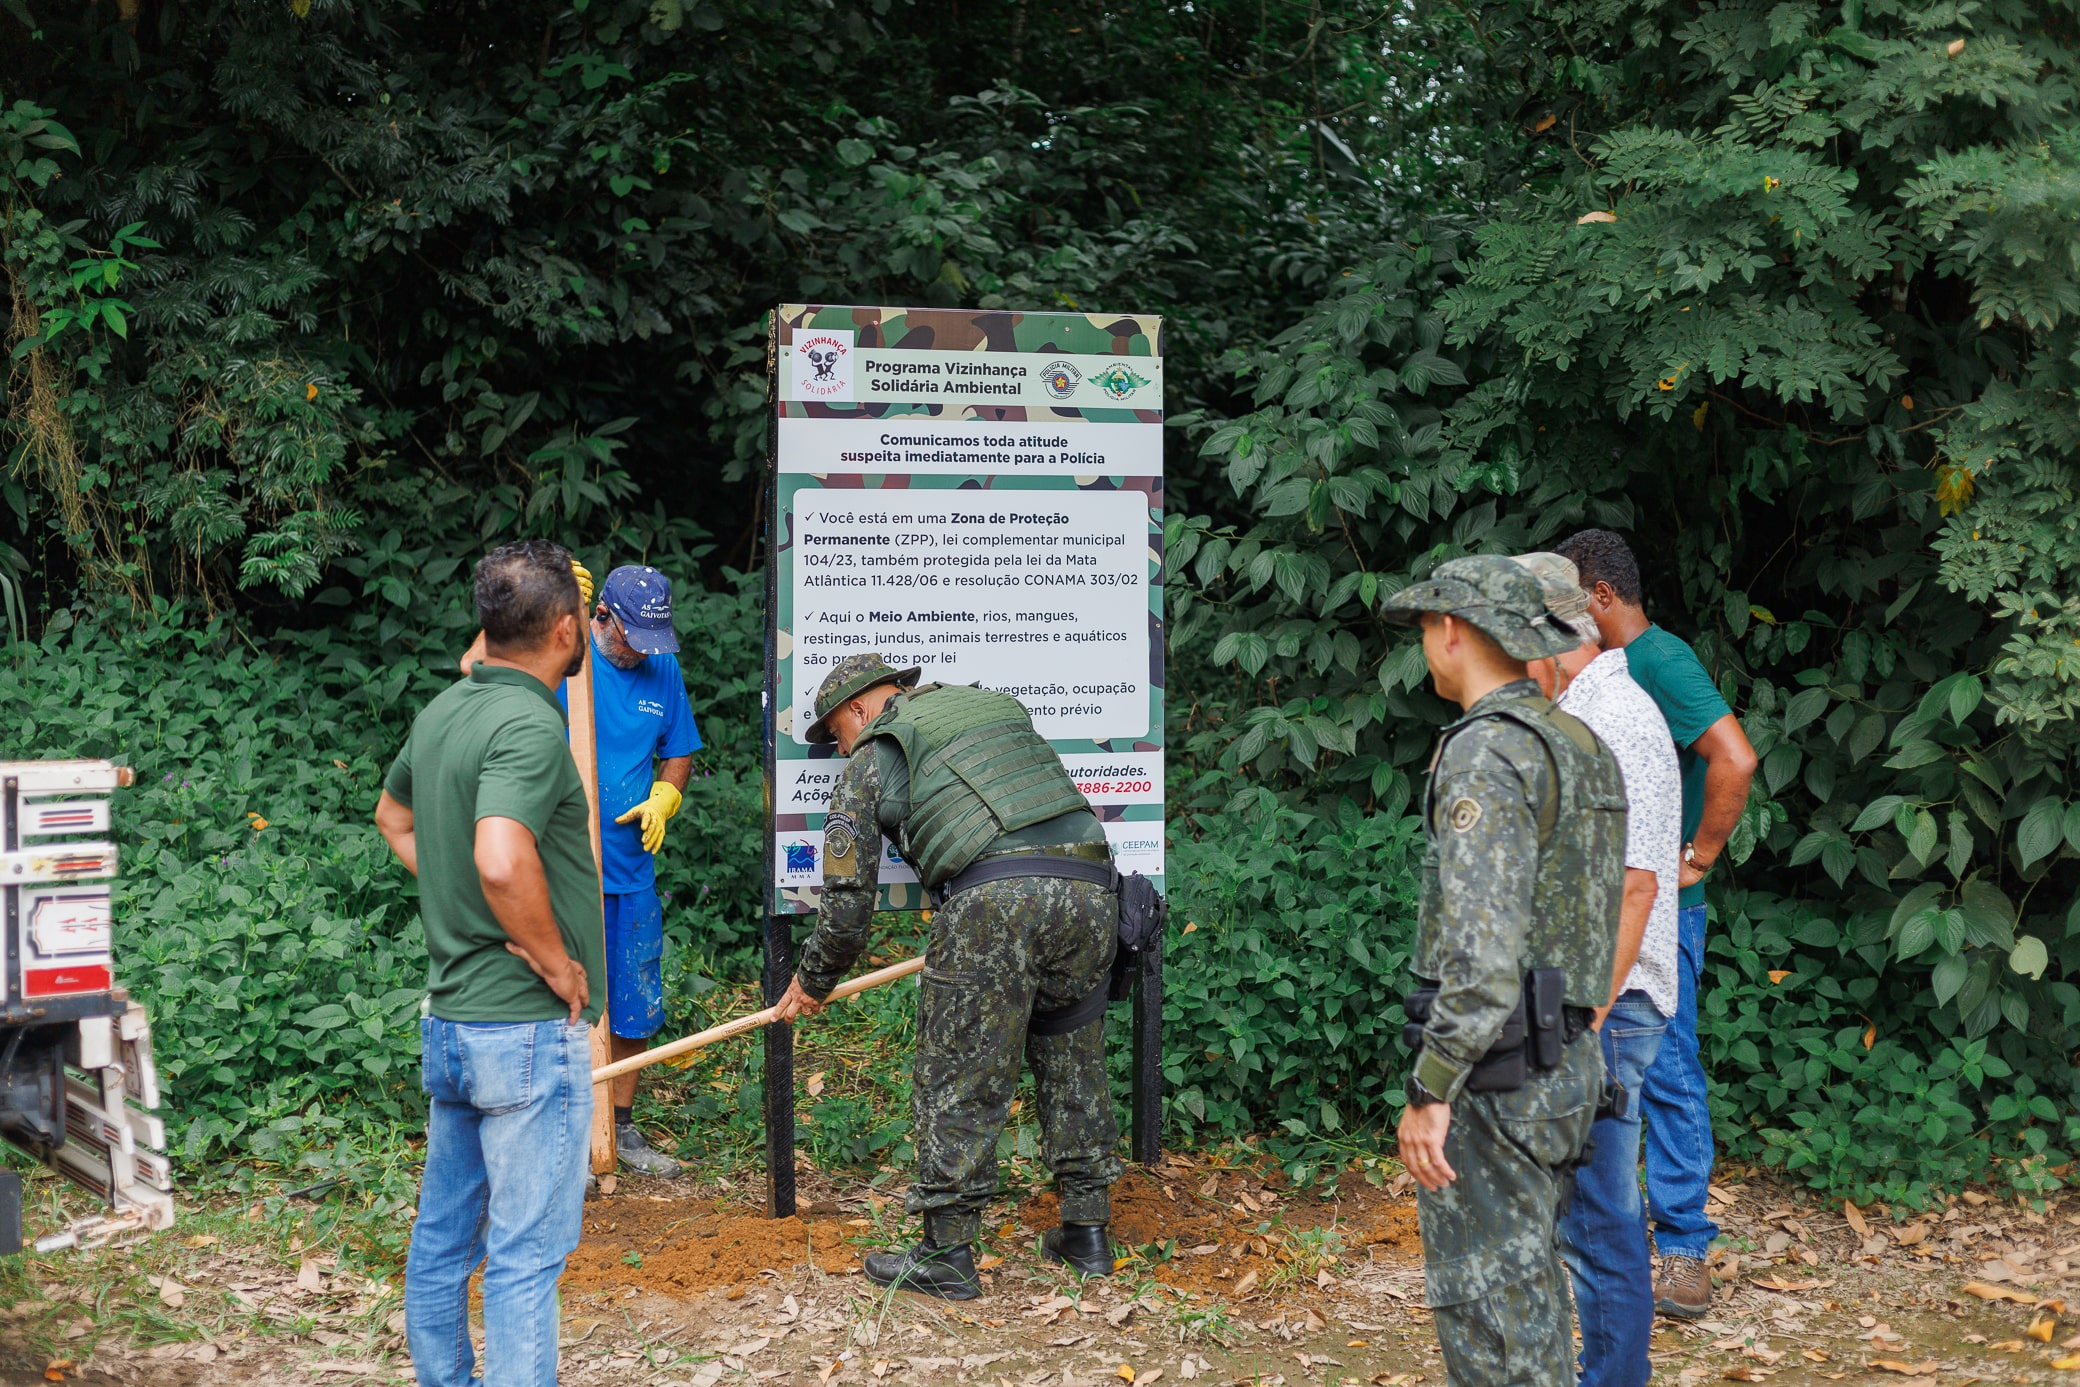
(78, 1089)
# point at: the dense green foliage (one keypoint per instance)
(311, 302)
(1790, 297)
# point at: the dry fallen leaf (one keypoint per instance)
(1911, 1234)
(1856, 1221)
(1987, 1291)
(1584, 220)
(1125, 1373)
(2069, 1362)
(1359, 1343)
(1813, 1355)
(993, 1260)
(1545, 123)
(1779, 1283)
(609, 1183)
(57, 1368)
(2006, 1346)
(815, 1084)
(1247, 1284)
(1150, 1376)
(2041, 1328)
(1956, 47)
(1893, 1365)
(308, 1277)
(1744, 1373)
(1975, 1199)
(172, 1294)
(1777, 975)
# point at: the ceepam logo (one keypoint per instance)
(823, 363)
(1119, 380)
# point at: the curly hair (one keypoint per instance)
(1601, 557)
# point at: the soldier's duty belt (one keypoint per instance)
(1028, 864)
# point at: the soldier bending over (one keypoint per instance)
(1021, 947)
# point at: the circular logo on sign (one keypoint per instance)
(1061, 379)
(824, 355)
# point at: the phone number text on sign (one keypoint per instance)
(1042, 594)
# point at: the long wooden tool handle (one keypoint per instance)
(702, 1039)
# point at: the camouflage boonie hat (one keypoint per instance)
(1496, 594)
(849, 678)
(1561, 582)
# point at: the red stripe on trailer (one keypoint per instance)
(52, 982)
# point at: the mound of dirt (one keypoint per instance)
(1229, 1223)
(674, 1246)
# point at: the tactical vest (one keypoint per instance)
(1581, 869)
(978, 770)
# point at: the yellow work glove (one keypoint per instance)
(584, 577)
(662, 804)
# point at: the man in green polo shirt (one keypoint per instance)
(485, 807)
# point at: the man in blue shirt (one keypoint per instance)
(645, 735)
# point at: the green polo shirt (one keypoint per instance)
(1669, 670)
(494, 747)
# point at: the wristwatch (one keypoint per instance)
(1418, 1096)
(1690, 860)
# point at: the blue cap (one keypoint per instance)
(642, 598)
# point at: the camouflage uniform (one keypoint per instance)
(998, 951)
(1525, 869)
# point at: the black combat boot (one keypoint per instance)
(945, 1272)
(1085, 1247)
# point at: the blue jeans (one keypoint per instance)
(507, 1139)
(1603, 1234)
(635, 963)
(1679, 1121)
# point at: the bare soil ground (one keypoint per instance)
(1225, 1278)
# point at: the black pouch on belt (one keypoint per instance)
(1502, 1070)
(1546, 990)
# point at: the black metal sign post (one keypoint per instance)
(779, 929)
(1145, 1126)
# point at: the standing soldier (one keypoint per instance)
(1521, 885)
(1021, 947)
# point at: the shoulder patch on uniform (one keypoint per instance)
(839, 839)
(1464, 814)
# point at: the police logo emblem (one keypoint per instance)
(1119, 380)
(1061, 379)
(1464, 814)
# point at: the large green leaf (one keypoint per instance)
(2040, 831)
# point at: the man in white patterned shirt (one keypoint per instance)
(1603, 1236)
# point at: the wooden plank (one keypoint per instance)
(585, 751)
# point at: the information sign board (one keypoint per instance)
(978, 494)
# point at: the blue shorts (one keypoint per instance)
(635, 964)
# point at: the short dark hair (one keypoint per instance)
(521, 589)
(1601, 557)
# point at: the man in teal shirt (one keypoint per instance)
(1717, 766)
(485, 807)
